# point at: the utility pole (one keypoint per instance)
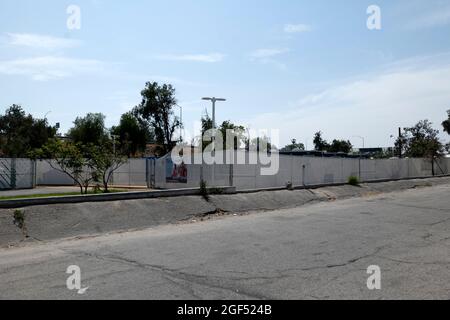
(400, 143)
(214, 100)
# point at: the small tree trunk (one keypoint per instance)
(105, 182)
(81, 188)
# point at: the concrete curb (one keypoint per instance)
(21, 203)
(338, 184)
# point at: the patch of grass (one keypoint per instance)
(19, 221)
(204, 190)
(65, 194)
(215, 191)
(19, 218)
(353, 181)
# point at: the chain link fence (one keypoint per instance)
(162, 173)
(293, 170)
(17, 174)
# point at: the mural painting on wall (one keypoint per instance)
(175, 173)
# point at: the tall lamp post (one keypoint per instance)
(213, 101)
(364, 145)
(363, 140)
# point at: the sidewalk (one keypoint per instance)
(38, 190)
(61, 189)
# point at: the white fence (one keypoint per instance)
(132, 173)
(17, 174)
(301, 171)
(294, 169)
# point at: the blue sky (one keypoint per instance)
(297, 66)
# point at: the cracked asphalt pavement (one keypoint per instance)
(318, 251)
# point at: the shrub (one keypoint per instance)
(204, 190)
(353, 181)
(19, 221)
(289, 185)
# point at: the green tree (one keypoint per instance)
(340, 146)
(422, 141)
(336, 146)
(20, 133)
(261, 144)
(69, 158)
(89, 129)
(446, 123)
(156, 110)
(132, 135)
(320, 144)
(294, 146)
(104, 162)
(235, 132)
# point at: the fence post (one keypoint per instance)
(129, 172)
(303, 174)
(231, 175)
(292, 170)
(33, 174)
(359, 170)
(147, 172)
(13, 173)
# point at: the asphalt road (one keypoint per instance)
(320, 251)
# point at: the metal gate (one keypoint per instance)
(17, 174)
(151, 172)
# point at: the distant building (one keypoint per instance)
(375, 152)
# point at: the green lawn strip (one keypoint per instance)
(65, 194)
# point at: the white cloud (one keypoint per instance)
(267, 56)
(49, 67)
(373, 107)
(40, 41)
(210, 58)
(297, 28)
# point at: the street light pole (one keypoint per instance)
(363, 140)
(213, 100)
(360, 155)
